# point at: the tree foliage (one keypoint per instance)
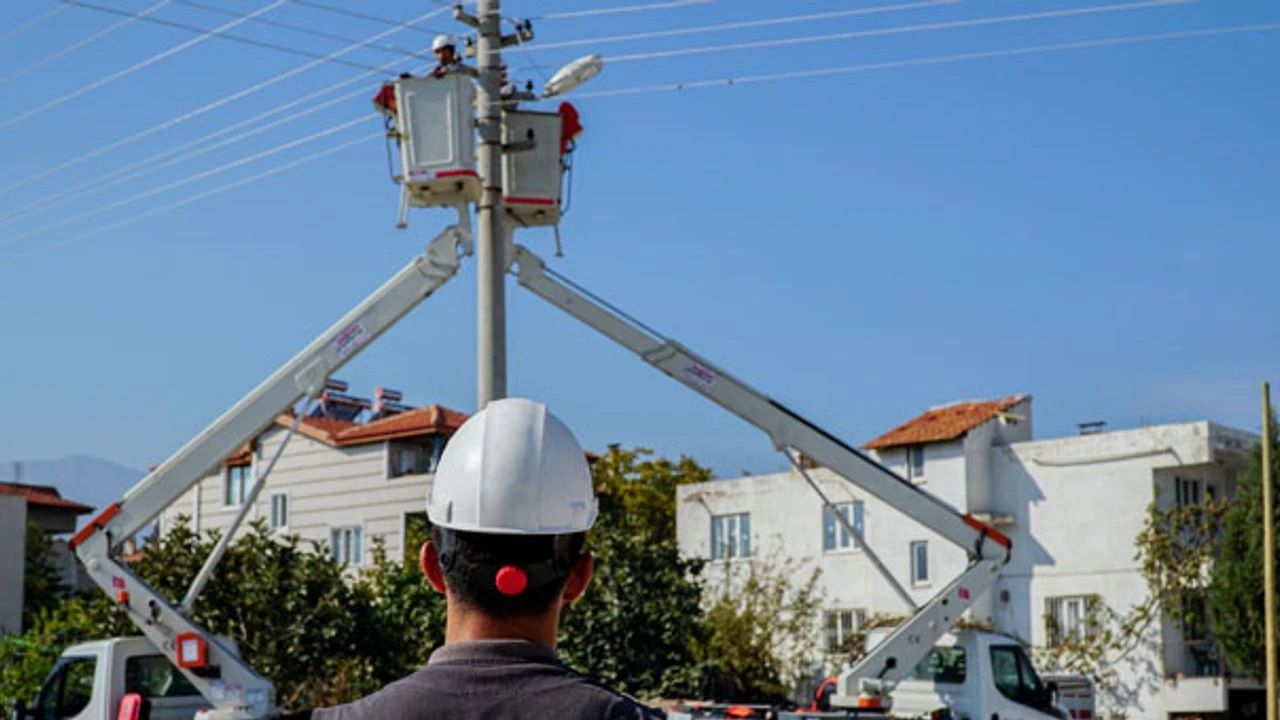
(1235, 598)
(758, 644)
(42, 586)
(322, 637)
(636, 626)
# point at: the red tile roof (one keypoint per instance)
(944, 423)
(43, 495)
(430, 420)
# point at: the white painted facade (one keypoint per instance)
(1073, 507)
(326, 487)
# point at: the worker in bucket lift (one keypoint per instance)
(510, 506)
(445, 48)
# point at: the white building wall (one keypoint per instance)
(13, 551)
(327, 487)
(1076, 505)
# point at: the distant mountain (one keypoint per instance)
(83, 478)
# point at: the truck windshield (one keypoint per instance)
(67, 690)
(943, 664)
(1014, 676)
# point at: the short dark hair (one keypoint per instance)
(472, 560)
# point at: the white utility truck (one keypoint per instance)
(90, 680)
(434, 128)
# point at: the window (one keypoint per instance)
(730, 536)
(915, 462)
(413, 457)
(235, 485)
(835, 536)
(1015, 678)
(944, 664)
(1070, 617)
(279, 510)
(1186, 491)
(841, 625)
(153, 676)
(920, 562)
(68, 689)
(344, 543)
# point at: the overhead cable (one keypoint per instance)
(742, 80)
(188, 150)
(925, 27)
(58, 55)
(740, 25)
(619, 10)
(189, 179)
(304, 30)
(933, 60)
(99, 229)
(23, 27)
(360, 15)
(140, 65)
(225, 100)
(204, 32)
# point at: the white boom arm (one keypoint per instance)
(226, 681)
(899, 653)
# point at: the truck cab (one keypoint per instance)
(977, 676)
(90, 680)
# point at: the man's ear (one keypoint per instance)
(579, 578)
(429, 561)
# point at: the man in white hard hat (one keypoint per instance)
(510, 506)
(445, 48)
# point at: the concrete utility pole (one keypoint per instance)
(1268, 553)
(491, 261)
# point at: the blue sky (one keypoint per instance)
(1093, 226)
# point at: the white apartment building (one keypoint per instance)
(355, 470)
(1073, 507)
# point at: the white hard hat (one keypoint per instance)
(513, 469)
(443, 41)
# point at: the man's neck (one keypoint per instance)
(465, 624)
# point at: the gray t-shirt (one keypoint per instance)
(494, 679)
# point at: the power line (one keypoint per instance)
(211, 106)
(619, 10)
(946, 25)
(108, 79)
(189, 179)
(360, 15)
(42, 17)
(207, 193)
(205, 33)
(55, 56)
(304, 30)
(197, 147)
(933, 60)
(740, 25)
(730, 82)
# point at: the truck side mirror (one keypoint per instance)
(19, 711)
(1051, 689)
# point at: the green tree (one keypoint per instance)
(636, 626)
(1235, 596)
(322, 637)
(759, 640)
(42, 586)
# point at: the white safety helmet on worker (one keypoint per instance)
(443, 41)
(515, 469)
